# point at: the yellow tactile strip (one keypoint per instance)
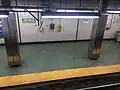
(56, 75)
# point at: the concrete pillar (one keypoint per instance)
(96, 38)
(98, 29)
(11, 39)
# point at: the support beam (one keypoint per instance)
(11, 41)
(97, 33)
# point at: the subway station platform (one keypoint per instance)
(58, 61)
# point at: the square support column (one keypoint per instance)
(96, 38)
(11, 39)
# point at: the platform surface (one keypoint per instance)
(59, 56)
(38, 59)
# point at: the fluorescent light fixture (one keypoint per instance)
(34, 9)
(113, 11)
(95, 11)
(18, 9)
(3, 16)
(10, 12)
(40, 9)
(88, 17)
(62, 10)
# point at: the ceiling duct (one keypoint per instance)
(6, 3)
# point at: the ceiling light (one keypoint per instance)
(87, 17)
(95, 11)
(40, 9)
(110, 11)
(18, 9)
(62, 10)
(34, 9)
(3, 16)
(10, 12)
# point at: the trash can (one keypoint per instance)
(118, 36)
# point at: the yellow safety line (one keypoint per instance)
(57, 75)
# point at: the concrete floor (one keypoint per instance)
(59, 56)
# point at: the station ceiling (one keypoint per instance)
(91, 4)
